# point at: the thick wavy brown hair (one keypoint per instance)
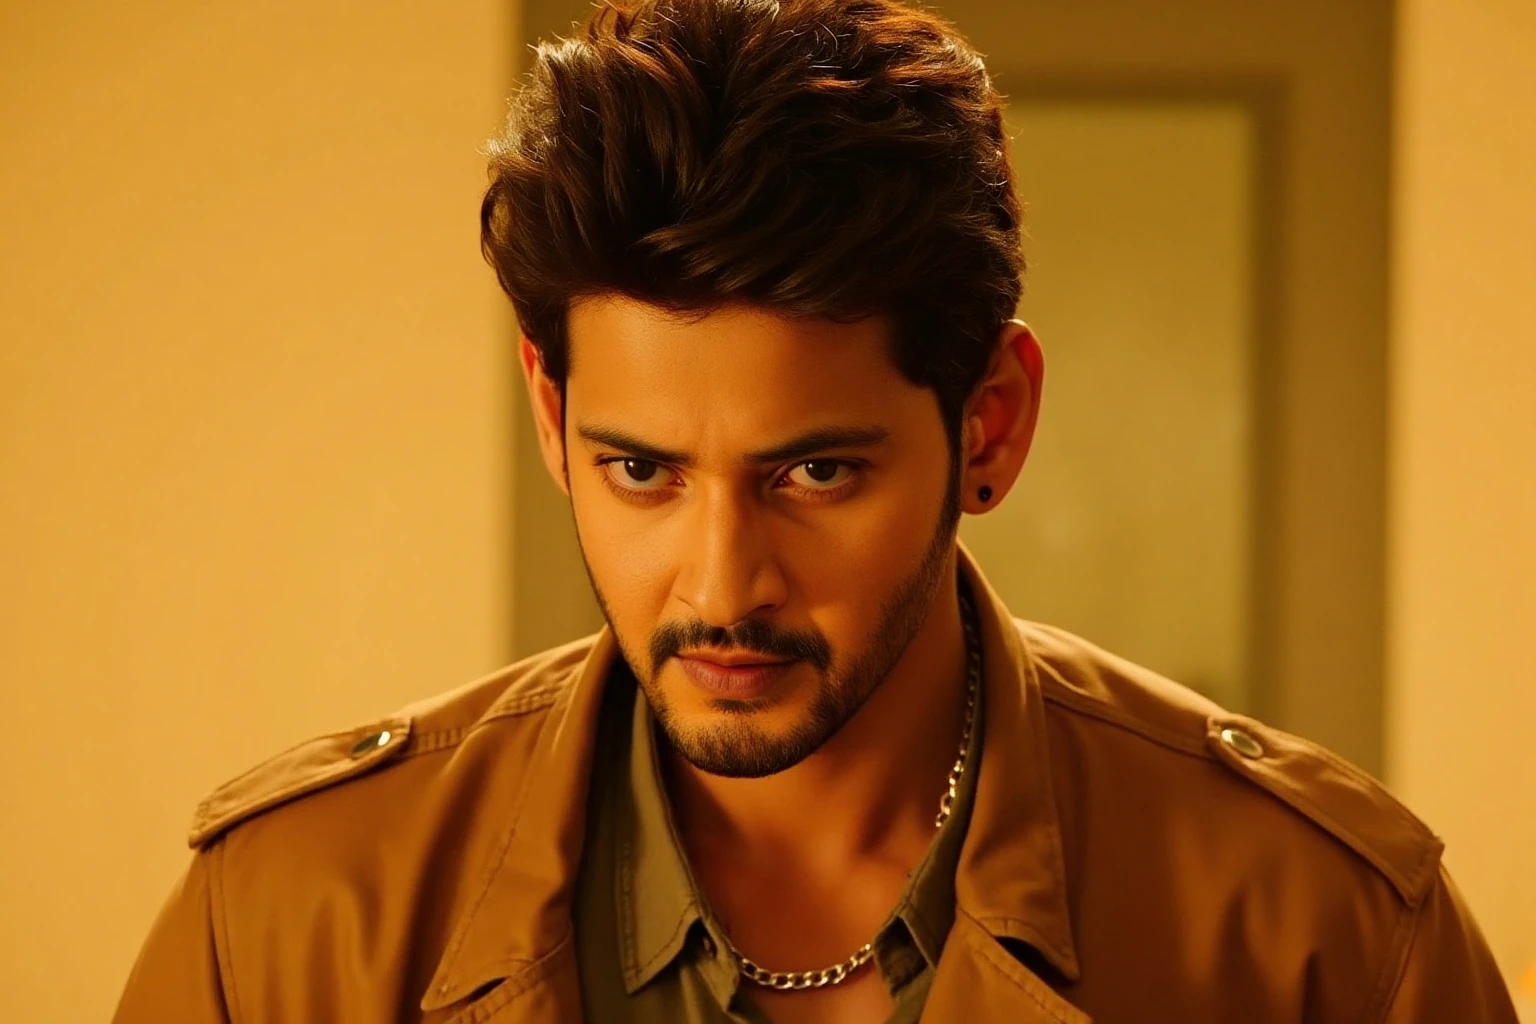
(824, 158)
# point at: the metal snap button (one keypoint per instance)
(1243, 743)
(373, 741)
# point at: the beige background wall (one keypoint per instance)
(1462, 693)
(1320, 69)
(254, 423)
(1132, 523)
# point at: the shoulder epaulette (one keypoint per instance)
(310, 766)
(1340, 798)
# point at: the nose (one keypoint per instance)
(729, 571)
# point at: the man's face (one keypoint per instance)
(754, 490)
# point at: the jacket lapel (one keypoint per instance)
(1011, 881)
(1011, 877)
(977, 979)
(546, 993)
(517, 933)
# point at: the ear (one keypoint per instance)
(1000, 418)
(545, 400)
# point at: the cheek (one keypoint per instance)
(849, 567)
(629, 554)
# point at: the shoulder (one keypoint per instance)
(1250, 784)
(331, 763)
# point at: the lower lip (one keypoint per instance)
(737, 682)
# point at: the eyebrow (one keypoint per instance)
(803, 446)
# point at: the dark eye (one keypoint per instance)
(821, 474)
(639, 470)
(635, 474)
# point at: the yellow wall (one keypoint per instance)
(552, 598)
(1462, 690)
(1321, 70)
(1137, 491)
(254, 423)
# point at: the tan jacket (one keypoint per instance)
(1135, 855)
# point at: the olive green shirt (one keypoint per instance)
(648, 947)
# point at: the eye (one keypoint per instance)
(635, 474)
(820, 474)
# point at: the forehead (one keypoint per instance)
(738, 372)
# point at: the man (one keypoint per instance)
(765, 256)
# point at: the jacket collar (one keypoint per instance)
(1011, 880)
(520, 917)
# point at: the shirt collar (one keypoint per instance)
(658, 899)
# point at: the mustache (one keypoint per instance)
(753, 636)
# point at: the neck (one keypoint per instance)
(871, 790)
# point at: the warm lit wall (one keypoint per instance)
(1317, 620)
(1462, 691)
(1132, 522)
(254, 423)
(552, 598)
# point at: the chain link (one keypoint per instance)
(796, 981)
(799, 981)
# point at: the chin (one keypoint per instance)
(739, 742)
(696, 713)
(738, 754)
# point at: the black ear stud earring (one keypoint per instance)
(985, 494)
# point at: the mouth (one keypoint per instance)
(725, 660)
(739, 679)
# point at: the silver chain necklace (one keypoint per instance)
(796, 981)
